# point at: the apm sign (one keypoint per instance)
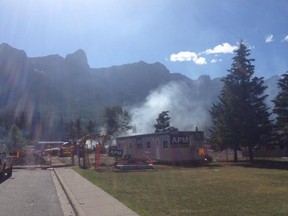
(115, 152)
(179, 140)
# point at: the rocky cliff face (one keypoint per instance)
(15, 69)
(68, 86)
(78, 59)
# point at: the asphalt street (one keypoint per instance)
(29, 193)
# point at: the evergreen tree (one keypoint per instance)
(116, 121)
(78, 129)
(241, 118)
(16, 138)
(221, 128)
(36, 125)
(90, 126)
(71, 131)
(281, 110)
(163, 122)
(60, 129)
(20, 121)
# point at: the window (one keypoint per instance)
(139, 143)
(148, 145)
(130, 145)
(165, 144)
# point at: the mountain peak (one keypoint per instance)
(151, 66)
(6, 49)
(5, 46)
(204, 78)
(78, 58)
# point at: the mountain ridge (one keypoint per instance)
(67, 87)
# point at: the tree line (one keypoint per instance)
(240, 117)
(21, 130)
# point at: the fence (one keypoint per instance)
(267, 153)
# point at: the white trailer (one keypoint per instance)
(165, 147)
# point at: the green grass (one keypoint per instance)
(215, 190)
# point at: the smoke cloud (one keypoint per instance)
(186, 109)
(188, 104)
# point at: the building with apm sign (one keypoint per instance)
(166, 147)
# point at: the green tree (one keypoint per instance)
(220, 117)
(115, 120)
(241, 117)
(71, 131)
(281, 110)
(16, 137)
(163, 122)
(60, 129)
(90, 126)
(20, 121)
(78, 129)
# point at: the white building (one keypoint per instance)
(166, 147)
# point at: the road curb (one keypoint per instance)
(30, 167)
(75, 205)
(38, 166)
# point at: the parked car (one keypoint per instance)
(5, 162)
(52, 151)
(67, 149)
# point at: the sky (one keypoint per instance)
(192, 37)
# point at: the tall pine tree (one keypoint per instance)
(281, 110)
(71, 132)
(78, 129)
(163, 123)
(90, 126)
(241, 118)
(116, 121)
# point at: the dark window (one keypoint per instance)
(139, 143)
(165, 144)
(130, 145)
(148, 145)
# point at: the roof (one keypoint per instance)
(160, 133)
(51, 142)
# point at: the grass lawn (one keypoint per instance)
(214, 190)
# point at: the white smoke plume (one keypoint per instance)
(186, 109)
(188, 104)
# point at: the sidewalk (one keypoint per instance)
(88, 199)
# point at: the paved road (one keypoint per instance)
(29, 193)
